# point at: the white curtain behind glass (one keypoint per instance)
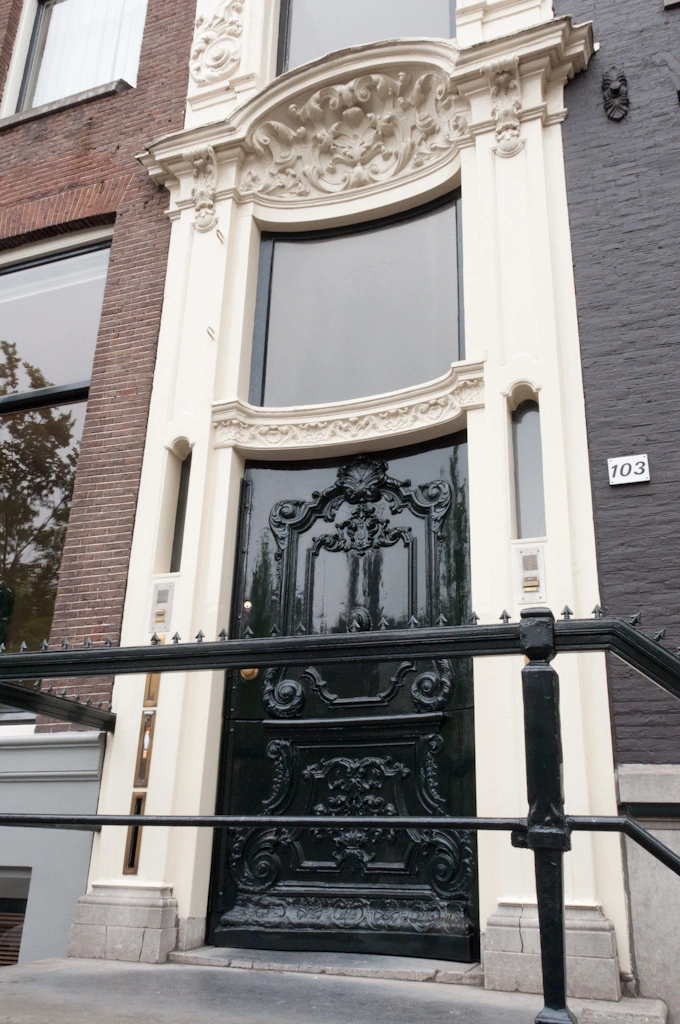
(89, 43)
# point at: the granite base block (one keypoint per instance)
(512, 960)
(129, 923)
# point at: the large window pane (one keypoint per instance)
(82, 44)
(359, 314)
(316, 27)
(50, 315)
(38, 456)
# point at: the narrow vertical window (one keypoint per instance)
(528, 459)
(79, 44)
(180, 515)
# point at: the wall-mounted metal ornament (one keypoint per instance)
(615, 93)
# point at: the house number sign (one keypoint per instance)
(628, 469)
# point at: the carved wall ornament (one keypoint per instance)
(615, 94)
(506, 95)
(355, 135)
(216, 50)
(204, 192)
(262, 429)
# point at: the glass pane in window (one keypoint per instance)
(87, 44)
(38, 456)
(49, 318)
(317, 27)
(364, 313)
(526, 439)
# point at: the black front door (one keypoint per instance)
(360, 543)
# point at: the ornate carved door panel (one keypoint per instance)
(356, 544)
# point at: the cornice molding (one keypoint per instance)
(366, 119)
(416, 413)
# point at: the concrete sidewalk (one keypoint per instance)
(109, 992)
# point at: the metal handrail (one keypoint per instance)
(546, 830)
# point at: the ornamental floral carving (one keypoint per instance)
(216, 50)
(439, 402)
(204, 192)
(355, 135)
(615, 94)
(503, 78)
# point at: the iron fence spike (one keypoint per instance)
(412, 622)
(88, 643)
(598, 612)
(660, 635)
(2, 648)
(300, 630)
(566, 613)
(99, 703)
(77, 698)
(44, 645)
(24, 647)
(176, 638)
(442, 621)
(88, 701)
(109, 643)
(636, 619)
(275, 631)
(155, 640)
(504, 617)
(247, 633)
(474, 618)
(223, 635)
(352, 628)
(66, 645)
(49, 689)
(383, 624)
(200, 636)
(37, 684)
(63, 692)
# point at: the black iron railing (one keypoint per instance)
(546, 830)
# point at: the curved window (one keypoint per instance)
(347, 315)
(528, 457)
(310, 28)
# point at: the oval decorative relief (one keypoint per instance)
(413, 411)
(354, 135)
(216, 49)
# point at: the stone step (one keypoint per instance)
(347, 965)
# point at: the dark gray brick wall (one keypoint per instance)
(624, 206)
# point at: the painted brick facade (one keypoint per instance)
(623, 206)
(72, 168)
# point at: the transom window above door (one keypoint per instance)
(312, 28)
(345, 315)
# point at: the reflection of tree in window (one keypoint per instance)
(38, 456)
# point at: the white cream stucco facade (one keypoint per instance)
(494, 100)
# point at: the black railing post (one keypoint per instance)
(547, 833)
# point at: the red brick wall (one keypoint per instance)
(74, 167)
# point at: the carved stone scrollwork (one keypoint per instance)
(615, 94)
(261, 429)
(204, 192)
(354, 135)
(216, 50)
(431, 690)
(504, 83)
(285, 698)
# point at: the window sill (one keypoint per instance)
(109, 89)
